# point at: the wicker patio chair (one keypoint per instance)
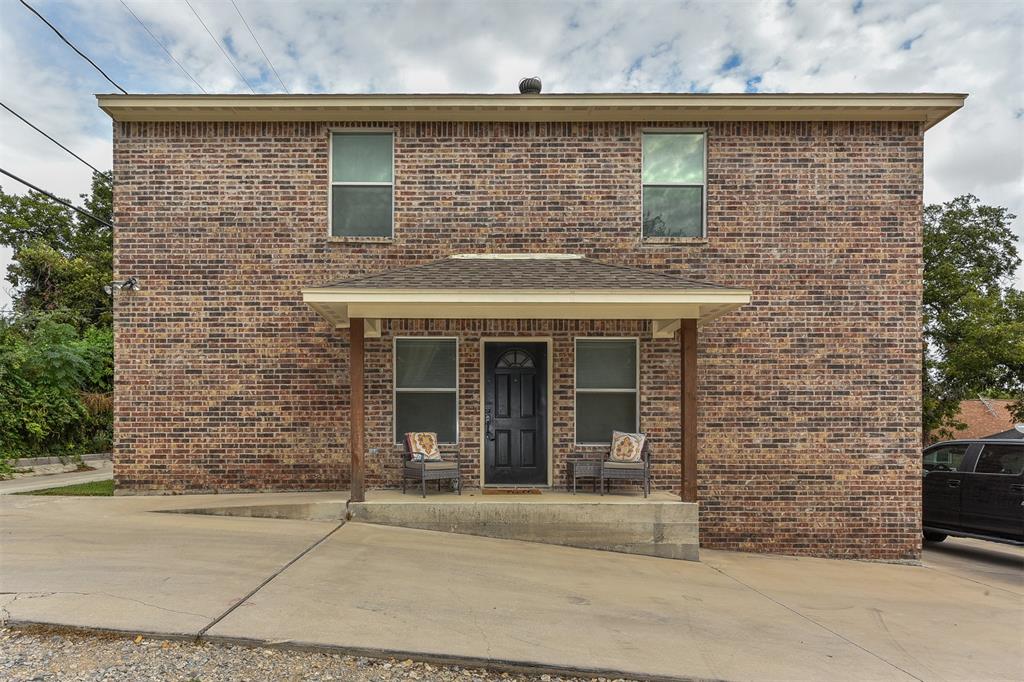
(629, 471)
(448, 468)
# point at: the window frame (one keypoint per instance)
(576, 390)
(395, 390)
(704, 186)
(331, 132)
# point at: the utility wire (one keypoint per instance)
(223, 51)
(33, 126)
(257, 41)
(80, 53)
(162, 47)
(57, 199)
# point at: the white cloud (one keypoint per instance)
(973, 47)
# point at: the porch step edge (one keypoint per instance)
(660, 530)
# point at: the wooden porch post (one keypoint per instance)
(688, 409)
(355, 407)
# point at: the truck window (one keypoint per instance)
(1001, 459)
(945, 458)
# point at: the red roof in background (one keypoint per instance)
(984, 418)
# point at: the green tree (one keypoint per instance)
(973, 318)
(62, 259)
(56, 347)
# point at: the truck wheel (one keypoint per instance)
(931, 536)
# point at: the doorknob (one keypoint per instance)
(489, 431)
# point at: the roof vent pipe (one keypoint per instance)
(529, 86)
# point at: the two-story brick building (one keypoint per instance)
(737, 276)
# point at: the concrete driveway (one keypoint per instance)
(988, 563)
(113, 563)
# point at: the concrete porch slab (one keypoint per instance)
(659, 525)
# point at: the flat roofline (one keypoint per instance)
(926, 108)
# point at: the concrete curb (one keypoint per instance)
(492, 664)
(40, 461)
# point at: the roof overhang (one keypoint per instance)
(664, 308)
(926, 108)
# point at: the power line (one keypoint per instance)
(80, 53)
(57, 199)
(31, 125)
(257, 41)
(223, 51)
(157, 41)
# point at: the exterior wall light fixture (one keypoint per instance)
(131, 284)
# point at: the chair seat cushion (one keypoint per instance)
(431, 466)
(623, 465)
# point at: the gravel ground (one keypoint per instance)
(55, 654)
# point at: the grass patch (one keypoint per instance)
(92, 489)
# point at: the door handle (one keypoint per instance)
(953, 483)
(1017, 488)
(488, 428)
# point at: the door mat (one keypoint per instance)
(510, 491)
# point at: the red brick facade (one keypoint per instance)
(809, 396)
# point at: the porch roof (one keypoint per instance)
(531, 286)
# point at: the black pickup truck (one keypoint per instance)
(974, 489)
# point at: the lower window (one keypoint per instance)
(607, 394)
(426, 387)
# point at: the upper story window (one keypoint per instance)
(362, 184)
(674, 184)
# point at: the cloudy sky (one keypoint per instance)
(636, 46)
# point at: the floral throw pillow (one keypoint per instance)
(422, 446)
(626, 447)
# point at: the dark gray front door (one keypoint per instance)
(515, 413)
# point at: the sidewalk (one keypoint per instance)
(111, 563)
(103, 471)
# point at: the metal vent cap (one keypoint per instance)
(529, 86)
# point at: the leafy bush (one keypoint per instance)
(55, 387)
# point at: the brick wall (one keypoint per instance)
(809, 403)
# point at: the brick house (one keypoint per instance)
(737, 276)
(982, 418)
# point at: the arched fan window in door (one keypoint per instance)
(514, 358)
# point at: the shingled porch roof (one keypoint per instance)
(527, 286)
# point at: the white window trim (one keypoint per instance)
(704, 185)
(576, 391)
(395, 390)
(331, 183)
